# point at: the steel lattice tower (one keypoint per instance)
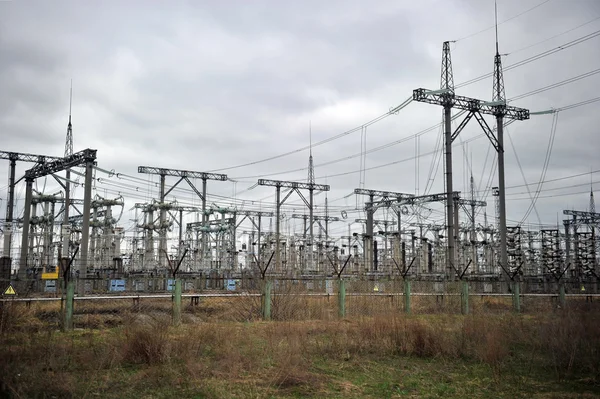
(592, 202)
(447, 78)
(68, 152)
(69, 142)
(311, 166)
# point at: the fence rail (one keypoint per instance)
(183, 301)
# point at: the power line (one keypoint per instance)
(536, 57)
(506, 20)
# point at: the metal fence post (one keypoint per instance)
(464, 308)
(177, 303)
(561, 295)
(516, 296)
(68, 323)
(407, 296)
(266, 302)
(342, 298)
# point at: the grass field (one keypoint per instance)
(551, 355)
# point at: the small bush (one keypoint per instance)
(146, 341)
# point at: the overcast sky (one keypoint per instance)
(206, 85)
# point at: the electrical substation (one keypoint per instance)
(208, 242)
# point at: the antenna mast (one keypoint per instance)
(66, 232)
(498, 94)
(311, 166)
(69, 142)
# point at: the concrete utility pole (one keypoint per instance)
(474, 108)
(294, 187)
(183, 175)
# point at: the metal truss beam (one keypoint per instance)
(181, 173)
(293, 184)
(317, 218)
(446, 98)
(24, 157)
(378, 193)
(60, 164)
(582, 214)
(488, 131)
(256, 213)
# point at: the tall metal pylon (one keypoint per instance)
(311, 166)
(66, 234)
(498, 89)
(447, 85)
(592, 202)
(499, 100)
(69, 141)
(311, 180)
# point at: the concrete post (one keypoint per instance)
(266, 299)
(407, 296)
(68, 321)
(177, 303)
(464, 296)
(342, 298)
(516, 297)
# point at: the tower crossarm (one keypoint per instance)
(24, 157)
(61, 164)
(256, 213)
(467, 202)
(582, 214)
(181, 173)
(384, 194)
(316, 217)
(579, 222)
(445, 97)
(293, 184)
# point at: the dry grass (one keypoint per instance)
(287, 358)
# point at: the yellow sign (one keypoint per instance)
(10, 290)
(46, 275)
(50, 276)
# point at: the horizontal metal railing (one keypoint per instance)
(316, 294)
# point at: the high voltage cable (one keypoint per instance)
(553, 37)
(533, 58)
(394, 110)
(474, 80)
(544, 168)
(387, 145)
(381, 147)
(506, 20)
(406, 102)
(557, 84)
(523, 175)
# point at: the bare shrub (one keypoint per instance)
(145, 340)
(572, 340)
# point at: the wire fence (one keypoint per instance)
(103, 303)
